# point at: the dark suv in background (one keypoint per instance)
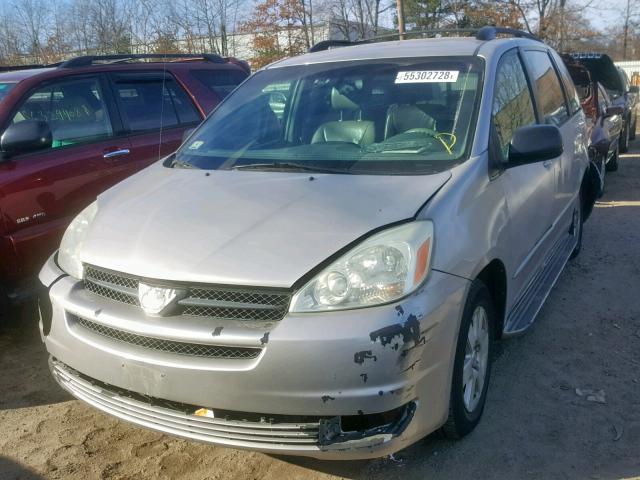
(70, 131)
(618, 87)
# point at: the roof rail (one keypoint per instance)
(484, 33)
(11, 68)
(490, 33)
(328, 44)
(87, 60)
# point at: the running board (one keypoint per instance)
(524, 313)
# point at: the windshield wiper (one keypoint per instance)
(182, 164)
(288, 166)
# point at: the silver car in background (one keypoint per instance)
(322, 269)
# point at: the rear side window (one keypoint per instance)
(221, 82)
(552, 105)
(149, 101)
(569, 86)
(74, 110)
(512, 104)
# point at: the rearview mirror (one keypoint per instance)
(25, 137)
(535, 143)
(613, 110)
(634, 89)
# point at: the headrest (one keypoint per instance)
(342, 102)
(411, 93)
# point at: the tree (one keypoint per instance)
(276, 28)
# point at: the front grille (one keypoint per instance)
(219, 302)
(168, 346)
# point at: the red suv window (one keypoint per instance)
(221, 82)
(151, 100)
(74, 110)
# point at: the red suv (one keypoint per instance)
(72, 130)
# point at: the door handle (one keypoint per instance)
(547, 164)
(116, 153)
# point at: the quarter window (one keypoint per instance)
(147, 102)
(74, 110)
(512, 105)
(552, 104)
(222, 82)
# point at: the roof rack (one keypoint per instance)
(11, 68)
(88, 60)
(485, 33)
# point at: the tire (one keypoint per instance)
(624, 139)
(612, 165)
(467, 402)
(632, 133)
(577, 223)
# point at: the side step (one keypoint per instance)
(526, 309)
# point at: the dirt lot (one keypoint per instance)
(535, 425)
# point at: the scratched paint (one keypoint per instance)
(360, 357)
(409, 331)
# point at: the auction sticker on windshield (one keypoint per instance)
(427, 76)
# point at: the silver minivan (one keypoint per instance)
(324, 266)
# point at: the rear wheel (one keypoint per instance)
(472, 367)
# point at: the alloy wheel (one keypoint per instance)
(476, 359)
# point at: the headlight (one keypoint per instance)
(72, 240)
(383, 268)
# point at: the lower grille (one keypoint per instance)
(168, 346)
(172, 418)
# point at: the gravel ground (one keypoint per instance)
(536, 425)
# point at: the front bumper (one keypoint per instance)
(323, 368)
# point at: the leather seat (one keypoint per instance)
(359, 132)
(401, 118)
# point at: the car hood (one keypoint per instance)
(243, 228)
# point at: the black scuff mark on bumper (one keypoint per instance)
(364, 377)
(360, 357)
(217, 331)
(409, 331)
(265, 338)
(326, 398)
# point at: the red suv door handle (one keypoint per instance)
(116, 153)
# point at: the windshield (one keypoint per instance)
(5, 88)
(400, 116)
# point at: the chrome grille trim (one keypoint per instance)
(174, 419)
(166, 346)
(215, 301)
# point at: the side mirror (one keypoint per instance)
(613, 110)
(25, 137)
(535, 143)
(634, 89)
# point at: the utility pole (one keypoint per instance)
(626, 31)
(400, 19)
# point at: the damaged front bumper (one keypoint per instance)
(341, 385)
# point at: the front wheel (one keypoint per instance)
(577, 224)
(472, 366)
(612, 164)
(624, 139)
